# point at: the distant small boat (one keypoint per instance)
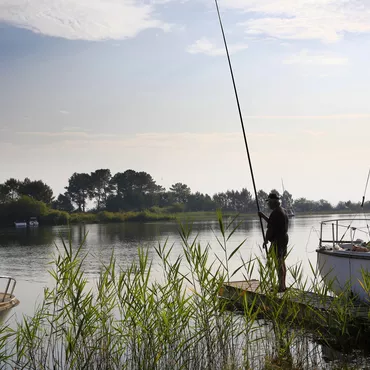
(344, 260)
(21, 224)
(33, 222)
(7, 297)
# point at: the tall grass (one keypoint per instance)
(129, 320)
(107, 217)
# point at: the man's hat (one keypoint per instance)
(272, 196)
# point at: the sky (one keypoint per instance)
(145, 85)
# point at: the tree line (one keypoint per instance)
(138, 191)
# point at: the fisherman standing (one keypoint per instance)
(277, 235)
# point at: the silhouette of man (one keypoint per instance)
(277, 235)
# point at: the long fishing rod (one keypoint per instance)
(241, 120)
(367, 182)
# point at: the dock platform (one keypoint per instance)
(296, 305)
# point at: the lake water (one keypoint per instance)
(25, 254)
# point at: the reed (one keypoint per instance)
(112, 217)
(128, 319)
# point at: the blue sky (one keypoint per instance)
(145, 85)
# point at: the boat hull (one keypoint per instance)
(343, 270)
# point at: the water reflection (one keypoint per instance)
(26, 236)
(27, 251)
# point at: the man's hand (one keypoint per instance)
(262, 215)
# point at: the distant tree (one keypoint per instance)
(304, 205)
(12, 188)
(237, 201)
(262, 196)
(181, 192)
(366, 207)
(246, 202)
(3, 194)
(324, 205)
(37, 190)
(231, 200)
(165, 199)
(134, 191)
(200, 202)
(63, 203)
(79, 189)
(221, 200)
(349, 206)
(101, 187)
(208, 203)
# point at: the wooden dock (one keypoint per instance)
(7, 301)
(297, 306)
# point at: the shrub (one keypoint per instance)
(87, 218)
(176, 208)
(55, 217)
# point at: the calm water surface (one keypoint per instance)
(26, 254)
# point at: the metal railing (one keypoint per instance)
(10, 286)
(339, 228)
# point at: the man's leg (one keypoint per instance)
(282, 274)
(282, 252)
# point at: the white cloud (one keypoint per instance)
(163, 141)
(304, 57)
(82, 19)
(326, 117)
(205, 46)
(325, 20)
(72, 128)
(63, 133)
(314, 133)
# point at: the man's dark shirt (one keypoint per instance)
(277, 227)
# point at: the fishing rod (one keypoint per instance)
(367, 182)
(241, 120)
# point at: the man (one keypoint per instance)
(277, 235)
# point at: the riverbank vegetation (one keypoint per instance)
(131, 195)
(23, 208)
(133, 319)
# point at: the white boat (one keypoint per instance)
(33, 222)
(21, 224)
(343, 256)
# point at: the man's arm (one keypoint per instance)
(262, 215)
(272, 227)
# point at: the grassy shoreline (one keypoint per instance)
(54, 217)
(148, 216)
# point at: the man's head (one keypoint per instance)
(273, 200)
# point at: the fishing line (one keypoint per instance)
(241, 118)
(367, 182)
(313, 229)
(363, 201)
